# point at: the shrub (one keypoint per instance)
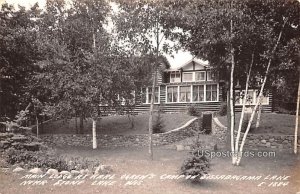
(285, 111)
(46, 159)
(158, 123)
(192, 111)
(195, 165)
(245, 124)
(223, 110)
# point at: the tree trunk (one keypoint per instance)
(81, 124)
(231, 104)
(76, 127)
(151, 112)
(260, 95)
(153, 94)
(259, 113)
(94, 133)
(42, 124)
(297, 119)
(228, 144)
(243, 110)
(37, 126)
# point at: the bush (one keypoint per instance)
(192, 111)
(285, 111)
(158, 124)
(195, 165)
(245, 124)
(223, 110)
(46, 159)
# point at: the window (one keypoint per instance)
(252, 97)
(265, 100)
(174, 77)
(185, 94)
(172, 94)
(211, 92)
(187, 77)
(156, 94)
(200, 76)
(210, 76)
(198, 93)
(250, 100)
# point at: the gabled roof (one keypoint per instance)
(195, 60)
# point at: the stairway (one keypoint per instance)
(179, 107)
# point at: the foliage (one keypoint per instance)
(81, 73)
(195, 165)
(19, 53)
(285, 111)
(193, 111)
(15, 125)
(158, 123)
(47, 159)
(245, 124)
(223, 110)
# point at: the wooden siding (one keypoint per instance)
(180, 107)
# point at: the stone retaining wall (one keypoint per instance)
(219, 131)
(270, 141)
(256, 140)
(122, 140)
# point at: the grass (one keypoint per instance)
(134, 161)
(117, 125)
(270, 123)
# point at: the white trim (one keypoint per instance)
(174, 72)
(166, 100)
(204, 96)
(191, 98)
(240, 101)
(178, 93)
(183, 126)
(193, 75)
(200, 79)
(147, 95)
(210, 75)
(218, 92)
(198, 92)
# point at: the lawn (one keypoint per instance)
(134, 161)
(119, 124)
(270, 123)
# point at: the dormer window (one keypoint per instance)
(210, 76)
(174, 76)
(187, 77)
(200, 76)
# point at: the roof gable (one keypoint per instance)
(192, 64)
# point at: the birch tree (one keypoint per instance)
(140, 24)
(297, 119)
(223, 40)
(83, 67)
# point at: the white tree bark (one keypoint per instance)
(94, 133)
(260, 95)
(231, 90)
(297, 119)
(232, 108)
(259, 113)
(243, 110)
(150, 150)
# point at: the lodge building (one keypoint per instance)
(193, 84)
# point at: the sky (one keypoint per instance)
(180, 57)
